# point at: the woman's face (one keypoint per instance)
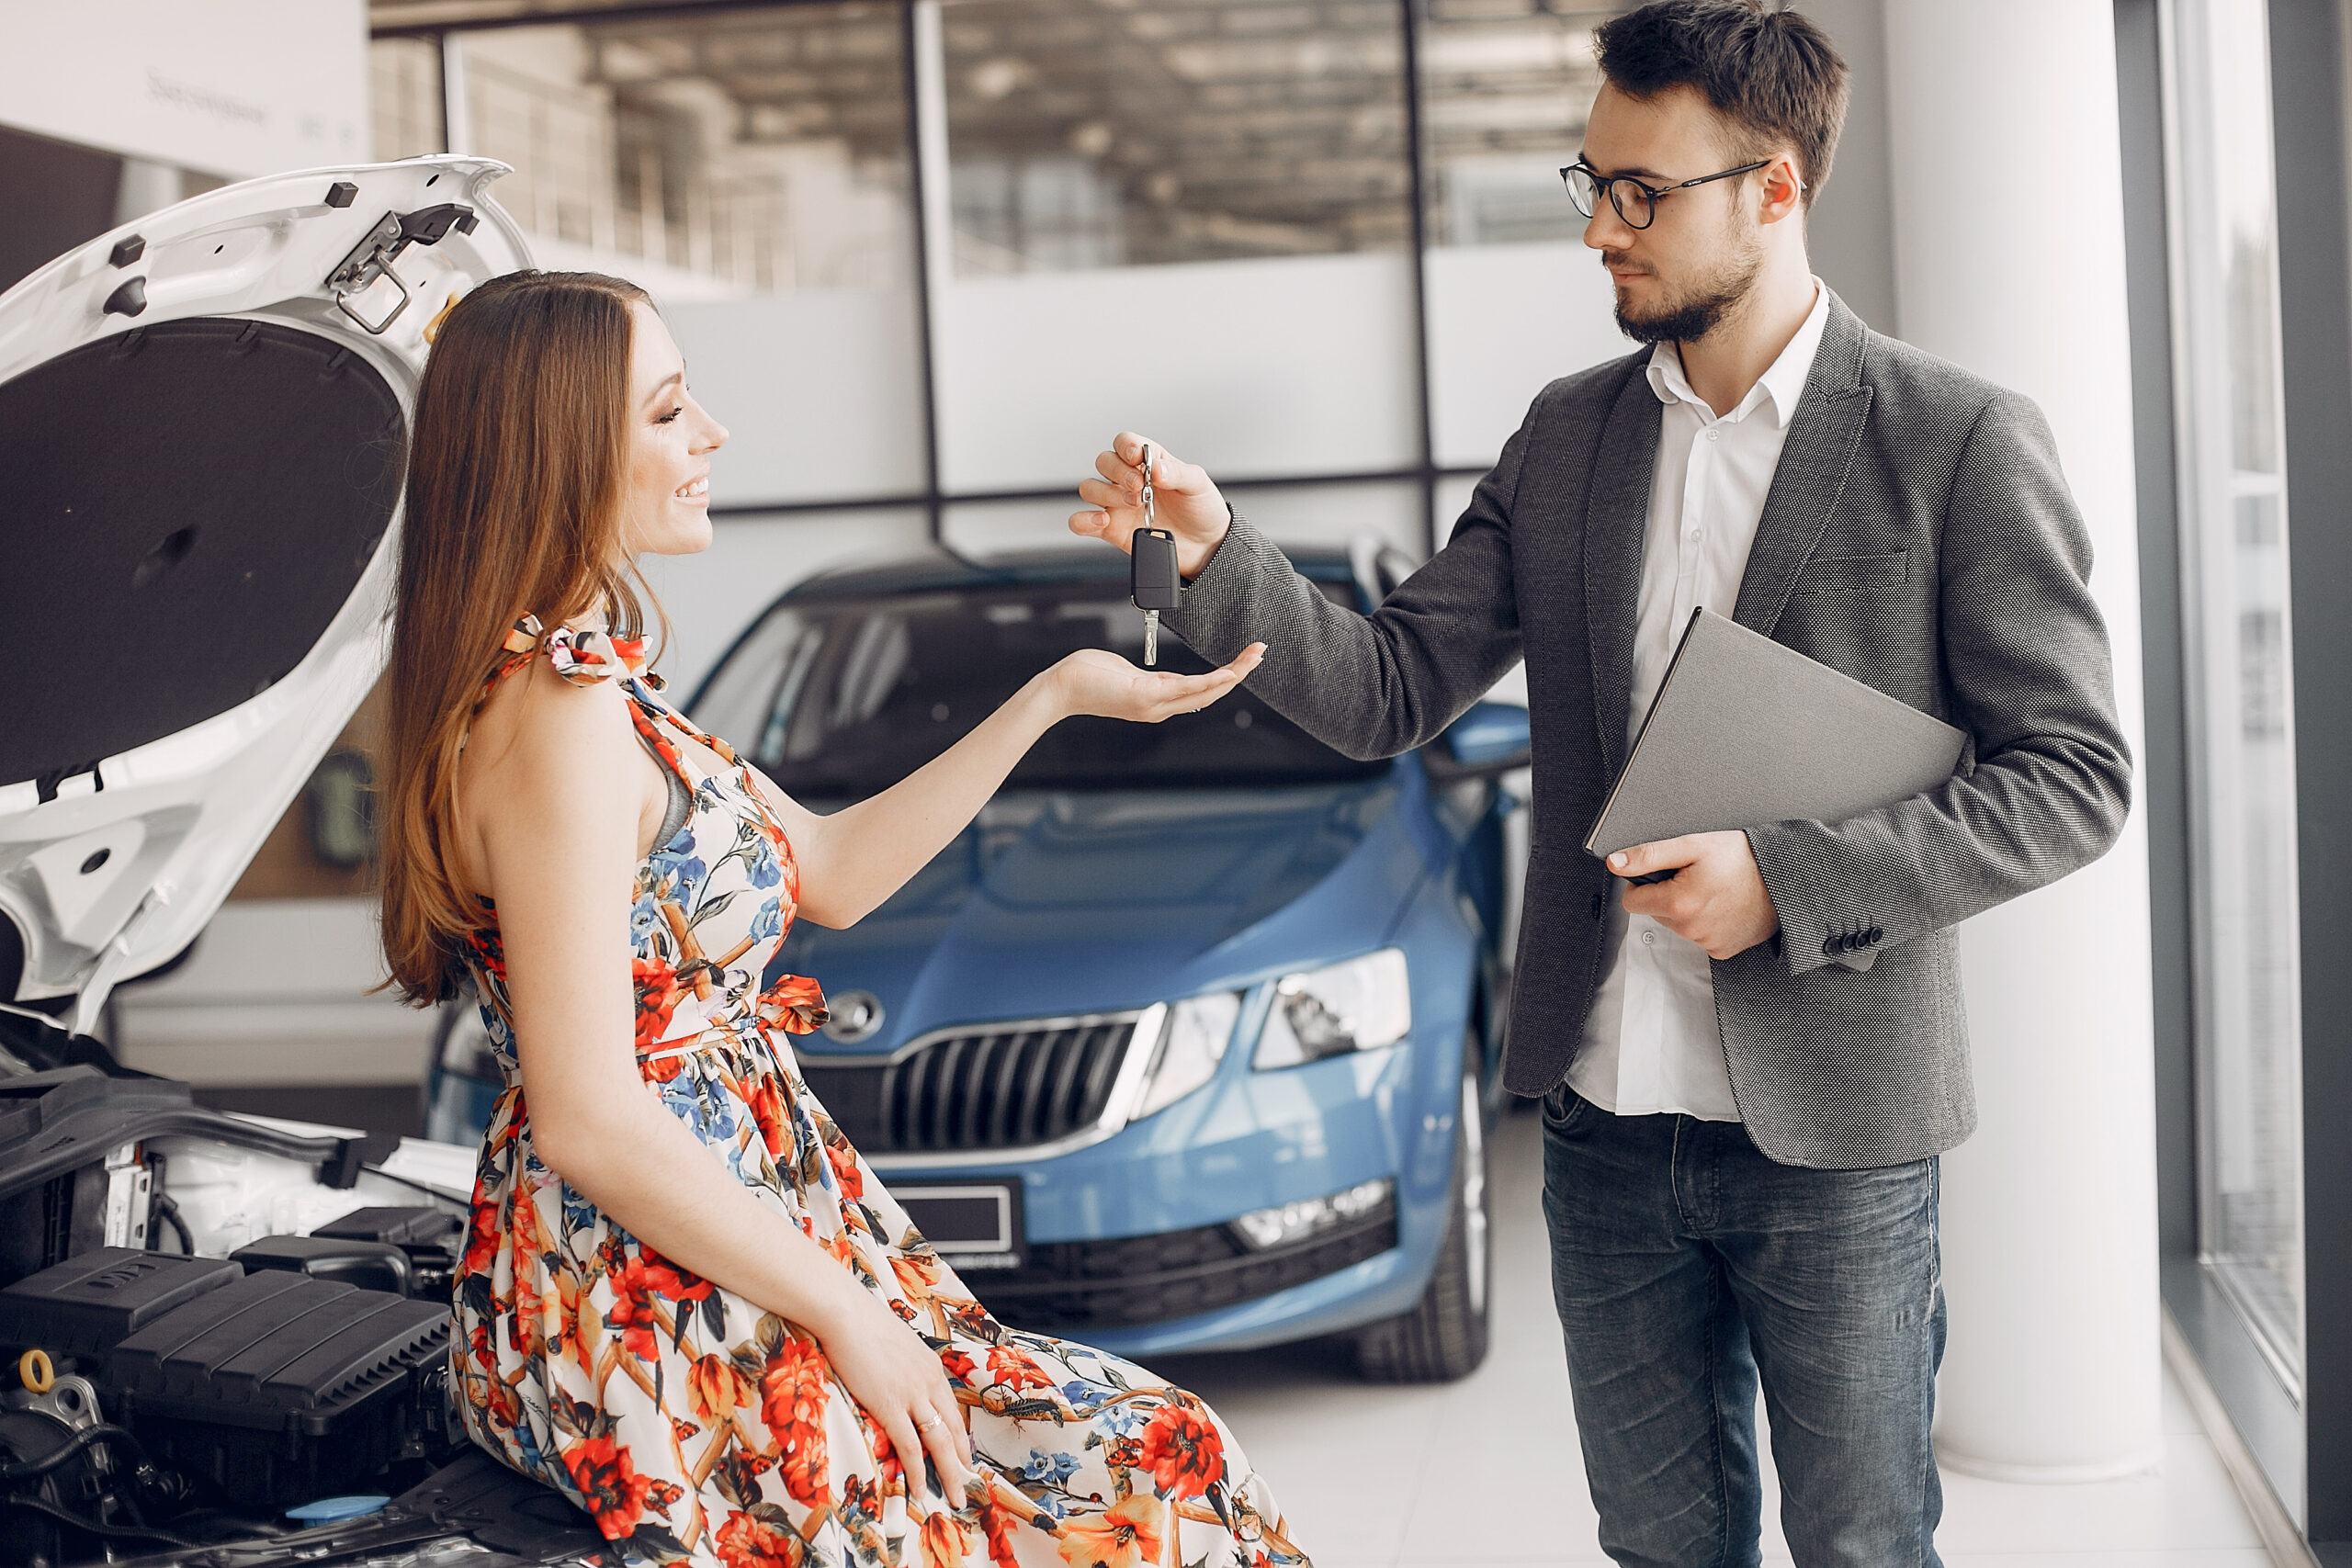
(667, 510)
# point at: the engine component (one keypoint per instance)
(370, 1265)
(273, 1388)
(431, 1237)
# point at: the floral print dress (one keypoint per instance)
(690, 1423)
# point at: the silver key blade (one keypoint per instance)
(1150, 637)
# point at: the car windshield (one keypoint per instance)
(840, 698)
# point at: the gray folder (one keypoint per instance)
(1745, 731)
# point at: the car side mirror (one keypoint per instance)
(1491, 740)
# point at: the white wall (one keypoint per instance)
(1291, 365)
(231, 87)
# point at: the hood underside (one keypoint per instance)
(202, 423)
(189, 507)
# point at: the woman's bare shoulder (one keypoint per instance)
(542, 741)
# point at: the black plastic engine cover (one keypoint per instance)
(272, 1386)
(88, 1305)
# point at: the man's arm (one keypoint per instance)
(2027, 661)
(1367, 686)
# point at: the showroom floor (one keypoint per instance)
(1488, 1471)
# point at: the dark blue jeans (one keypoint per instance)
(1686, 1268)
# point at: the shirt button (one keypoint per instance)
(1649, 939)
(1715, 435)
(1696, 534)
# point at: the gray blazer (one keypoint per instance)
(1918, 537)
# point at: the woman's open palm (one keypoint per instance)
(1094, 681)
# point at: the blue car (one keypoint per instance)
(1188, 1041)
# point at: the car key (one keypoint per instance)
(1152, 583)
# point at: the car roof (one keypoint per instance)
(933, 571)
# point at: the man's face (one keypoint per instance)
(1701, 254)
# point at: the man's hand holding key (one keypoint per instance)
(1186, 502)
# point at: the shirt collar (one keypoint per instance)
(1781, 386)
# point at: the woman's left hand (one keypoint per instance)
(1093, 682)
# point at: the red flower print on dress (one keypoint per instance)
(632, 1315)
(746, 1540)
(1128, 1536)
(1013, 1368)
(1182, 1452)
(609, 1484)
(672, 1284)
(483, 1239)
(767, 1111)
(846, 1173)
(794, 1004)
(997, 1521)
(657, 998)
(792, 1391)
(945, 1542)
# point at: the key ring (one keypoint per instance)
(1148, 521)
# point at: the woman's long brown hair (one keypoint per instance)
(518, 462)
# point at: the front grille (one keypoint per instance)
(1066, 1285)
(1004, 1085)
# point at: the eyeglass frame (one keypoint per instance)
(1608, 184)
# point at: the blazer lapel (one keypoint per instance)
(1810, 478)
(1616, 517)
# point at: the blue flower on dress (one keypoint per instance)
(1054, 1468)
(766, 870)
(644, 919)
(768, 924)
(1120, 1419)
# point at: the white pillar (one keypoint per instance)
(2053, 1371)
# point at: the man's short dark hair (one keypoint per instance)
(1772, 74)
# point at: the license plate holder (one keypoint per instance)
(975, 1225)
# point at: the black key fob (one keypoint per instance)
(1152, 582)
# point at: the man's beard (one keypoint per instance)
(1701, 310)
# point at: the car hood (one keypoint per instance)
(1061, 903)
(202, 421)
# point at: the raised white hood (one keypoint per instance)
(200, 471)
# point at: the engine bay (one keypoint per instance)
(224, 1339)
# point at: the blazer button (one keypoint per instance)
(1873, 937)
(1830, 947)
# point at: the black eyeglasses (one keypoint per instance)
(1635, 203)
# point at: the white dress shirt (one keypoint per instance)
(1652, 1043)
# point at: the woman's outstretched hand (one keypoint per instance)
(1093, 682)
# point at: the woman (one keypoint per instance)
(686, 1302)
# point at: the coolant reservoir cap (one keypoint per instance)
(333, 1510)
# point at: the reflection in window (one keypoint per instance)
(1506, 88)
(1082, 135)
(705, 155)
(2234, 584)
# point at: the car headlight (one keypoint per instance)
(1191, 1043)
(1264, 1228)
(1361, 1004)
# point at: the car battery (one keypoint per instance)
(272, 1387)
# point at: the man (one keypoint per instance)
(1748, 1069)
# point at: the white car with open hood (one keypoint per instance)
(202, 421)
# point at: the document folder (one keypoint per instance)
(1745, 731)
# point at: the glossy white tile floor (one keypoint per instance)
(1486, 1471)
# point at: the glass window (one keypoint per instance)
(2242, 769)
(1223, 186)
(1506, 87)
(840, 697)
(1085, 135)
(1515, 297)
(750, 168)
(710, 154)
(404, 83)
